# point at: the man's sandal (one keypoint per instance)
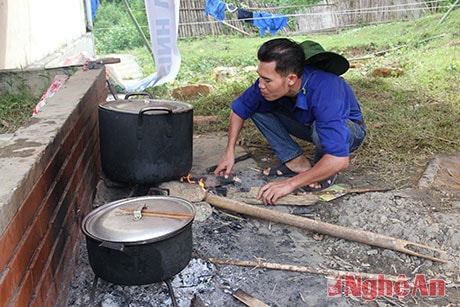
(280, 171)
(324, 184)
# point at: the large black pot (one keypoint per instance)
(131, 249)
(145, 141)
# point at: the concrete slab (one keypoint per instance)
(128, 68)
(443, 171)
(5, 138)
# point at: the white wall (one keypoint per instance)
(32, 30)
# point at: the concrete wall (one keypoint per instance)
(32, 30)
(37, 80)
(49, 170)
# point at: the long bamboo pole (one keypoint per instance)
(448, 12)
(361, 236)
(231, 26)
(146, 42)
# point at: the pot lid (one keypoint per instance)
(139, 219)
(134, 106)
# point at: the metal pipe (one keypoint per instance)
(89, 17)
(144, 38)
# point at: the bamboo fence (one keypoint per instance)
(325, 16)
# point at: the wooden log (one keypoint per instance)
(300, 199)
(357, 235)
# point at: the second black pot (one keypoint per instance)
(145, 141)
(127, 249)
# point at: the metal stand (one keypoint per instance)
(93, 289)
(168, 283)
(171, 292)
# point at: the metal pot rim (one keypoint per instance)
(133, 106)
(111, 223)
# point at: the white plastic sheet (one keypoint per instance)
(163, 19)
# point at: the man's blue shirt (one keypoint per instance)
(324, 98)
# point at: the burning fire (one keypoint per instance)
(189, 179)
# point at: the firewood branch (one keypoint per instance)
(300, 269)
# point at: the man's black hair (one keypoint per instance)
(288, 55)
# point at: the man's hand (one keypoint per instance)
(225, 165)
(272, 191)
(326, 167)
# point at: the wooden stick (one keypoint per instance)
(158, 215)
(237, 159)
(448, 12)
(302, 199)
(366, 190)
(357, 235)
(379, 53)
(169, 213)
(248, 299)
(231, 26)
(159, 212)
(300, 269)
(165, 215)
(153, 213)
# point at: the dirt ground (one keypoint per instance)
(427, 213)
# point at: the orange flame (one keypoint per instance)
(188, 178)
(201, 183)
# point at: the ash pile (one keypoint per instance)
(241, 260)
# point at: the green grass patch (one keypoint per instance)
(16, 108)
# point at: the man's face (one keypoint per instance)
(272, 85)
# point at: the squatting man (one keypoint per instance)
(299, 92)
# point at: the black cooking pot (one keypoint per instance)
(130, 243)
(145, 141)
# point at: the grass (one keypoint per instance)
(409, 117)
(16, 108)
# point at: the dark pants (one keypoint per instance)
(278, 126)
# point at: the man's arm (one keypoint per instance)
(225, 165)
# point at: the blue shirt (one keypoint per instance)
(324, 98)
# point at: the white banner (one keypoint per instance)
(163, 18)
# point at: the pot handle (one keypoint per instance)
(139, 94)
(112, 245)
(140, 120)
